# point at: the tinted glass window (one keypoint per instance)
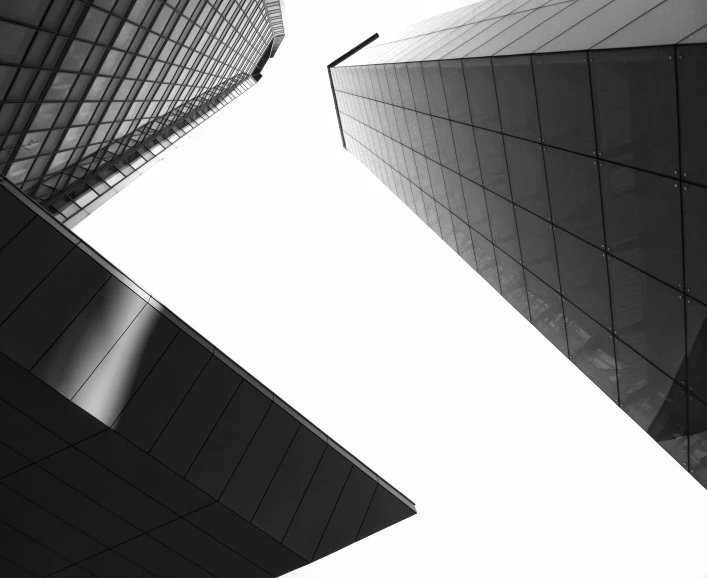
(453, 185)
(653, 401)
(642, 217)
(465, 145)
(435, 90)
(649, 316)
(516, 96)
(583, 276)
(445, 142)
(417, 82)
(481, 91)
(476, 210)
(486, 260)
(465, 247)
(636, 107)
(492, 159)
(537, 247)
(404, 85)
(429, 142)
(591, 349)
(692, 92)
(512, 283)
(503, 224)
(546, 311)
(697, 348)
(526, 169)
(455, 90)
(698, 439)
(695, 223)
(573, 183)
(565, 101)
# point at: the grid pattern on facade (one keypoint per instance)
(80, 81)
(510, 27)
(576, 184)
(131, 447)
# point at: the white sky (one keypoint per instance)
(285, 252)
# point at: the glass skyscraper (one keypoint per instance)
(130, 446)
(92, 93)
(561, 149)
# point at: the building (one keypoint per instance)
(559, 148)
(92, 94)
(130, 445)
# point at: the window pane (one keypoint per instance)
(465, 145)
(435, 90)
(649, 316)
(486, 260)
(516, 96)
(481, 91)
(546, 312)
(429, 142)
(591, 349)
(445, 142)
(492, 158)
(526, 169)
(445, 224)
(642, 216)
(583, 276)
(437, 183)
(695, 222)
(692, 86)
(476, 211)
(513, 283)
(698, 439)
(636, 108)
(537, 247)
(92, 24)
(404, 85)
(697, 348)
(414, 129)
(455, 90)
(14, 41)
(573, 183)
(565, 101)
(417, 82)
(464, 244)
(395, 95)
(453, 185)
(76, 55)
(503, 224)
(61, 86)
(653, 401)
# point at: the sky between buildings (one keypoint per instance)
(266, 236)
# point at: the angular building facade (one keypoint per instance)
(92, 93)
(561, 149)
(129, 445)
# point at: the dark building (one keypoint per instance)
(91, 93)
(561, 149)
(129, 445)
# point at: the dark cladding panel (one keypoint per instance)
(575, 198)
(649, 316)
(697, 412)
(591, 349)
(642, 214)
(119, 375)
(44, 405)
(196, 417)
(584, 276)
(106, 489)
(653, 401)
(260, 462)
(136, 467)
(25, 436)
(10, 461)
(697, 348)
(24, 552)
(14, 216)
(110, 564)
(26, 260)
(565, 101)
(233, 531)
(516, 96)
(154, 403)
(318, 503)
(227, 443)
(280, 502)
(385, 509)
(79, 350)
(692, 103)
(77, 510)
(29, 332)
(635, 108)
(194, 544)
(349, 513)
(159, 560)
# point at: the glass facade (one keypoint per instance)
(559, 148)
(92, 93)
(130, 446)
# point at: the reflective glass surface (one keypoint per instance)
(537, 247)
(486, 260)
(512, 280)
(565, 101)
(697, 348)
(455, 90)
(503, 224)
(516, 96)
(476, 210)
(695, 231)
(636, 108)
(643, 221)
(481, 91)
(546, 311)
(492, 159)
(575, 199)
(467, 156)
(526, 170)
(692, 96)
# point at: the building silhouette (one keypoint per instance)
(129, 445)
(559, 148)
